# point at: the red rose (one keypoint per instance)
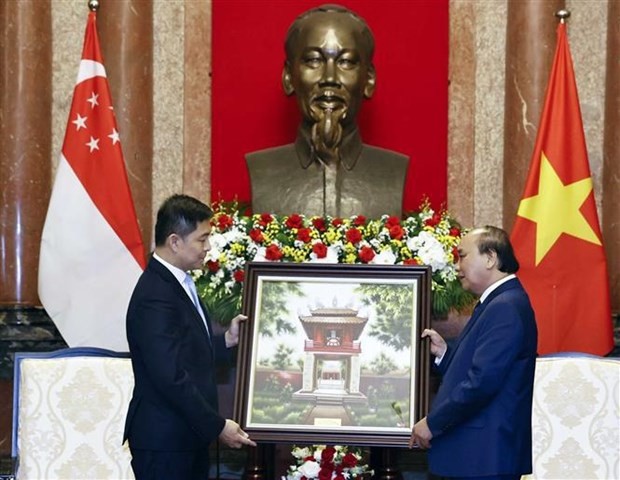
(320, 250)
(224, 222)
(257, 235)
(455, 254)
(336, 222)
(366, 254)
(339, 476)
(319, 224)
(303, 234)
(433, 221)
(294, 221)
(273, 252)
(213, 266)
(265, 219)
(353, 235)
(410, 261)
(325, 473)
(359, 221)
(349, 460)
(392, 221)
(239, 276)
(455, 232)
(327, 455)
(397, 232)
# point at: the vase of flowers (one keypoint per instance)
(325, 462)
(424, 237)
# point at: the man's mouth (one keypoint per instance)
(329, 100)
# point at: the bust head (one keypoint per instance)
(329, 68)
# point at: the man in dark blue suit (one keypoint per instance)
(173, 415)
(479, 424)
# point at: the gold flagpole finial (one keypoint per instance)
(93, 5)
(562, 15)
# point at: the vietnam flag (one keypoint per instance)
(91, 250)
(556, 234)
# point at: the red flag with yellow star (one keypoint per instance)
(556, 235)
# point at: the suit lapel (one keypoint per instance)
(478, 310)
(178, 289)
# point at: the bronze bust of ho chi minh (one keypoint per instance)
(328, 170)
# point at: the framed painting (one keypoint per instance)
(331, 353)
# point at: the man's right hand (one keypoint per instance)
(233, 436)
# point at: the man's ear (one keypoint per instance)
(173, 242)
(287, 82)
(491, 259)
(371, 82)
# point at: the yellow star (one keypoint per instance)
(555, 209)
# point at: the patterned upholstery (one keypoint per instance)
(69, 417)
(576, 418)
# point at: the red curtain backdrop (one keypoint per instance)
(408, 112)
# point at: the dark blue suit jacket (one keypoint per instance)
(481, 416)
(174, 404)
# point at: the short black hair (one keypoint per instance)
(494, 239)
(179, 214)
(368, 38)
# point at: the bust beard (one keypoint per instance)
(326, 133)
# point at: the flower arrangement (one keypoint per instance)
(327, 463)
(425, 237)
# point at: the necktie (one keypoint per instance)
(193, 294)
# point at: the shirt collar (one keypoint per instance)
(176, 271)
(350, 149)
(493, 286)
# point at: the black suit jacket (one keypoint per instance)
(174, 404)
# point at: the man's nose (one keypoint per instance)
(329, 72)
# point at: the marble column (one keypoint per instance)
(126, 37)
(611, 154)
(530, 45)
(25, 145)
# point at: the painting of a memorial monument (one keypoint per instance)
(333, 353)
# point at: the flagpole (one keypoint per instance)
(93, 5)
(561, 14)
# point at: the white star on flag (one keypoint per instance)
(79, 122)
(114, 136)
(93, 100)
(93, 144)
(91, 248)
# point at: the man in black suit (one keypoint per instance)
(173, 415)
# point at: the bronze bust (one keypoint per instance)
(328, 170)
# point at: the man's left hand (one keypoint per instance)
(421, 435)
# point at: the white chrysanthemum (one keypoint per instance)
(310, 469)
(218, 243)
(429, 249)
(235, 235)
(301, 452)
(385, 257)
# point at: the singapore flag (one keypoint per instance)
(91, 249)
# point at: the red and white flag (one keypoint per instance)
(556, 235)
(91, 249)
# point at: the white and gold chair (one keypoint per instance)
(576, 418)
(69, 410)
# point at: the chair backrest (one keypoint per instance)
(576, 418)
(69, 410)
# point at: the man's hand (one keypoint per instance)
(232, 334)
(233, 437)
(438, 344)
(421, 435)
